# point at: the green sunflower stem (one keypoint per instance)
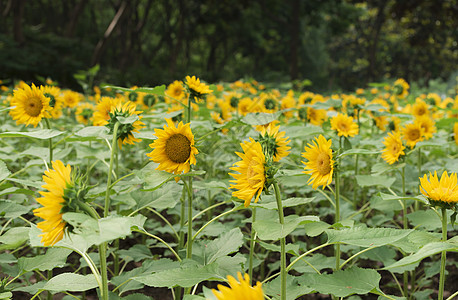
(103, 270)
(252, 243)
(337, 195)
(282, 243)
(405, 226)
(114, 150)
(49, 142)
(189, 236)
(443, 256)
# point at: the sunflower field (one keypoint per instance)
(228, 191)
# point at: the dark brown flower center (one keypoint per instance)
(178, 148)
(323, 163)
(33, 106)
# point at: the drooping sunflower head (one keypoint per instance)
(239, 290)
(393, 147)
(30, 105)
(103, 109)
(84, 113)
(251, 177)
(344, 125)
(443, 192)
(320, 164)
(428, 126)
(273, 142)
(57, 181)
(174, 148)
(196, 89)
(412, 134)
(126, 130)
(400, 88)
(176, 90)
(55, 100)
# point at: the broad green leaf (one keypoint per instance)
(366, 237)
(273, 230)
(227, 243)
(359, 152)
(7, 258)
(290, 202)
(154, 179)
(54, 257)
(42, 134)
(290, 248)
(158, 90)
(343, 283)
(127, 120)
(371, 180)
(14, 237)
(192, 297)
(230, 264)
(136, 253)
(393, 197)
(426, 251)
(4, 172)
(31, 289)
(427, 219)
(188, 275)
(35, 184)
(318, 261)
(6, 295)
(260, 118)
(315, 228)
(294, 288)
(71, 282)
(295, 132)
(9, 209)
(165, 197)
(380, 168)
(94, 132)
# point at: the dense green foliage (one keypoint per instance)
(334, 44)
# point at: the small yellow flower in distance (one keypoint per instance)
(239, 290)
(344, 125)
(30, 105)
(412, 134)
(319, 162)
(196, 88)
(274, 141)
(250, 180)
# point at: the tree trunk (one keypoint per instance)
(75, 14)
(294, 39)
(376, 28)
(18, 11)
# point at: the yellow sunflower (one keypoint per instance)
(420, 108)
(71, 98)
(125, 131)
(84, 113)
(55, 100)
(274, 141)
(320, 164)
(196, 89)
(102, 110)
(57, 180)
(440, 191)
(412, 134)
(246, 105)
(344, 125)
(288, 103)
(175, 90)
(401, 88)
(393, 147)
(30, 105)
(239, 290)
(174, 149)
(316, 116)
(250, 180)
(455, 132)
(428, 126)
(381, 122)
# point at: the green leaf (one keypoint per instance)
(427, 219)
(315, 228)
(4, 172)
(343, 283)
(94, 132)
(154, 179)
(14, 237)
(54, 257)
(273, 230)
(226, 244)
(42, 134)
(371, 180)
(426, 251)
(6, 295)
(31, 289)
(394, 197)
(260, 118)
(188, 275)
(296, 132)
(128, 120)
(359, 152)
(366, 237)
(71, 282)
(158, 90)
(290, 248)
(9, 209)
(165, 197)
(380, 168)
(294, 288)
(318, 261)
(290, 202)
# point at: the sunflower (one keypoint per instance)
(102, 110)
(274, 142)
(245, 106)
(239, 290)
(84, 113)
(196, 89)
(30, 105)
(125, 131)
(320, 164)
(443, 191)
(71, 98)
(420, 108)
(287, 103)
(56, 101)
(174, 149)
(175, 90)
(455, 132)
(316, 116)
(250, 180)
(381, 122)
(394, 147)
(401, 88)
(413, 133)
(344, 125)
(428, 126)
(57, 181)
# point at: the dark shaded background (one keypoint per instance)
(335, 44)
